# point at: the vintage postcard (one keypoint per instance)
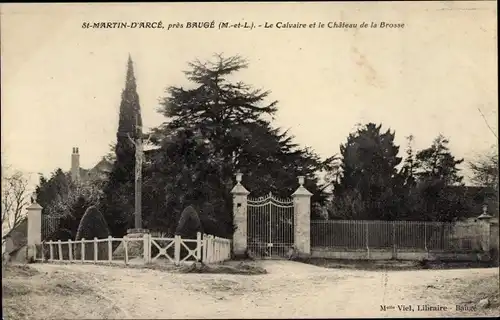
(249, 160)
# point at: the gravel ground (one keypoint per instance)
(289, 289)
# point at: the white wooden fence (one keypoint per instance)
(177, 250)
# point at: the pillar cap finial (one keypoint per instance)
(239, 177)
(301, 190)
(239, 189)
(34, 206)
(301, 180)
(485, 215)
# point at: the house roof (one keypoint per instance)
(103, 166)
(19, 234)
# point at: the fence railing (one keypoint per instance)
(146, 249)
(49, 225)
(411, 235)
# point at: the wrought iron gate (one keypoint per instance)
(270, 227)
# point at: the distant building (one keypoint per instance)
(15, 240)
(98, 172)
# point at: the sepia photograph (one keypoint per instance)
(249, 160)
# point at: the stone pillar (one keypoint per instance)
(34, 230)
(240, 195)
(302, 219)
(484, 220)
(34, 235)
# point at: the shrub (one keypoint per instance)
(189, 223)
(93, 225)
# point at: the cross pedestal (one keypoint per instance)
(135, 249)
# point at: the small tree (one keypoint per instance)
(15, 198)
(369, 161)
(485, 170)
(437, 173)
(93, 226)
(66, 199)
(189, 223)
(485, 174)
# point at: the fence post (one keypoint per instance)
(70, 250)
(302, 218)
(82, 250)
(43, 251)
(125, 247)
(146, 247)
(219, 250)
(218, 246)
(367, 240)
(394, 253)
(177, 249)
(95, 249)
(198, 246)
(59, 250)
(110, 248)
(214, 249)
(425, 241)
(51, 258)
(209, 249)
(224, 248)
(205, 250)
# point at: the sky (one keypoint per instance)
(61, 84)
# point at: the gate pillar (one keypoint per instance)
(34, 236)
(240, 195)
(302, 219)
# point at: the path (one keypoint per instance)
(290, 289)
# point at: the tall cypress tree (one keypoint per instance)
(117, 204)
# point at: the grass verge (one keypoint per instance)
(392, 264)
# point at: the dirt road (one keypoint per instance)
(290, 289)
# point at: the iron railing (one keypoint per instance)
(413, 235)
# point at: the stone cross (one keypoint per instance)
(139, 158)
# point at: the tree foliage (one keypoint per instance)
(61, 197)
(485, 174)
(428, 185)
(93, 225)
(214, 129)
(53, 193)
(366, 187)
(485, 170)
(189, 223)
(15, 198)
(437, 176)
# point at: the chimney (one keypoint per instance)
(75, 165)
